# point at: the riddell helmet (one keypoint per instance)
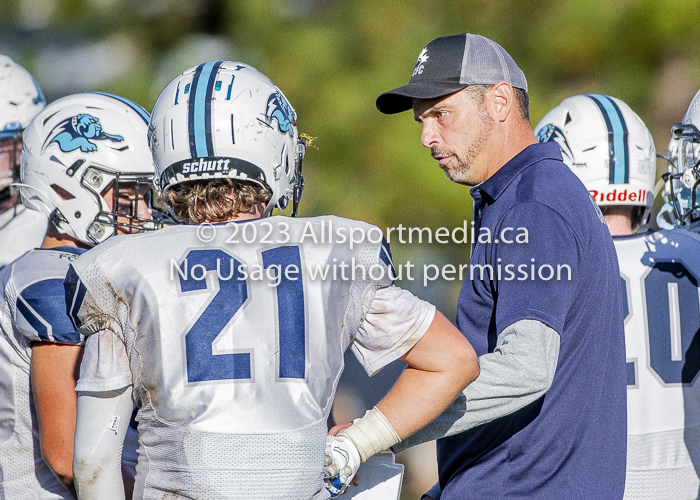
(607, 146)
(682, 203)
(20, 101)
(74, 151)
(225, 119)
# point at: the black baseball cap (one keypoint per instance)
(451, 63)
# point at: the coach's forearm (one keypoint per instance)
(519, 371)
(440, 365)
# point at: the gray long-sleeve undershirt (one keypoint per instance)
(518, 371)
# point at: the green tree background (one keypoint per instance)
(332, 58)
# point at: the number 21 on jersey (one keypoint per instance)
(232, 297)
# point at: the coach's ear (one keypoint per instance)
(499, 100)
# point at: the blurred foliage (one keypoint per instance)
(333, 58)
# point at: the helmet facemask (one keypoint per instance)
(298, 183)
(682, 178)
(127, 203)
(20, 100)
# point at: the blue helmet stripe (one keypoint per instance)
(199, 109)
(208, 100)
(230, 87)
(142, 112)
(191, 110)
(617, 139)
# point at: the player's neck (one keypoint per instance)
(55, 239)
(619, 224)
(245, 216)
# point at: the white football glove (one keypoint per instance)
(341, 464)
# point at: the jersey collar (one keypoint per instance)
(495, 185)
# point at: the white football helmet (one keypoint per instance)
(607, 146)
(682, 177)
(20, 100)
(74, 151)
(225, 119)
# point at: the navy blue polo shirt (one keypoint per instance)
(551, 259)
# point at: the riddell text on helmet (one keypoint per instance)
(619, 195)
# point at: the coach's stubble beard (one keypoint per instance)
(459, 169)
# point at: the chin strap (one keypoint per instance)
(298, 191)
(298, 177)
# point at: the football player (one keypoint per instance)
(233, 327)
(20, 100)
(611, 150)
(86, 166)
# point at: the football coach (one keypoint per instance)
(546, 417)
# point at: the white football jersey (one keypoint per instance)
(234, 337)
(661, 296)
(21, 229)
(32, 308)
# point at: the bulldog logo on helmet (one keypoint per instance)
(550, 133)
(279, 109)
(78, 132)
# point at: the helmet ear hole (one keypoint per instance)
(65, 195)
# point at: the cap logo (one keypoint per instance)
(422, 59)
(76, 132)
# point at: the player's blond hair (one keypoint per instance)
(213, 200)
